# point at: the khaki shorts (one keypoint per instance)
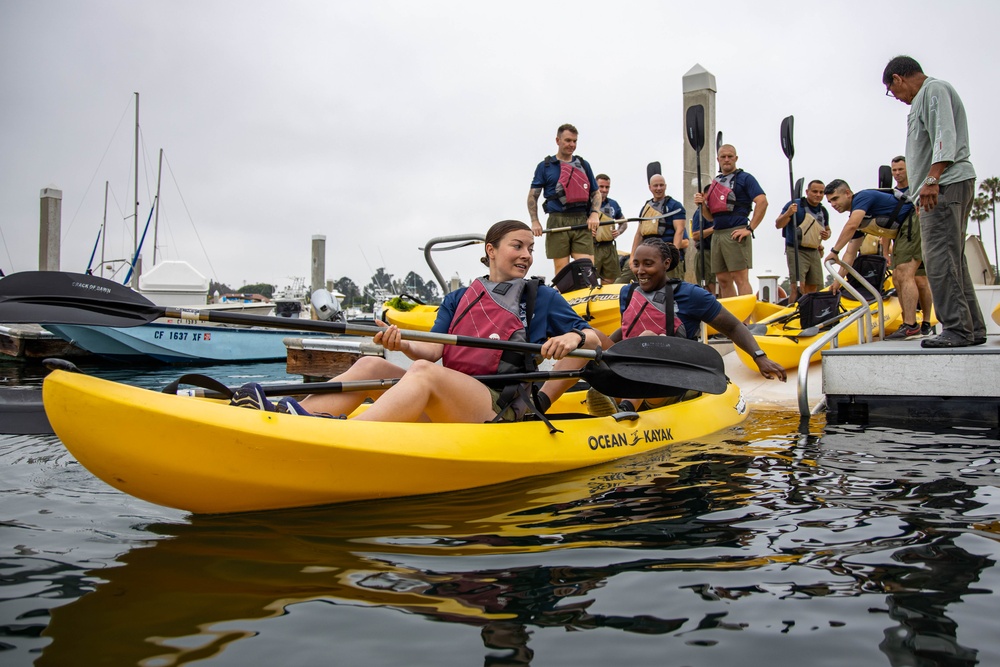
(564, 244)
(810, 265)
(906, 246)
(729, 255)
(709, 273)
(606, 261)
(508, 415)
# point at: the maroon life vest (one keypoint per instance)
(573, 187)
(720, 197)
(488, 310)
(650, 312)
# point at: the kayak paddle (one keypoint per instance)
(650, 366)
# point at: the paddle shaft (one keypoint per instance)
(571, 228)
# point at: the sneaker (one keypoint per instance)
(599, 405)
(945, 339)
(251, 395)
(626, 406)
(926, 329)
(290, 406)
(979, 340)
(906, 332)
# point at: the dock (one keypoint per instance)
(32, 342)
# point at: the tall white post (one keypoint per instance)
(49, 229)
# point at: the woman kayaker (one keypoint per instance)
(495, 306)
(659, 306)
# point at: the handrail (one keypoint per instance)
(862, 316)
(469, 239)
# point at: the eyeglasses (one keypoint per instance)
(888, 89)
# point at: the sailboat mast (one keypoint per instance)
(135, 211)
(104, 227)
(156, 203)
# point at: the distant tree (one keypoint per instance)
(414, 285)
(380, 281)
(347, 287)
(990, 187)
(258, 288)
(980, 212)
(221, 288)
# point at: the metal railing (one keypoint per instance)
(862, 315)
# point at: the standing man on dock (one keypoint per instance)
(937, 155)
(668, 225)
(736, 204)
(572, 198)
(807, 212)
(908, 273)
(605, 249)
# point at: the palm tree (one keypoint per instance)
(990, 187)
(980, 212)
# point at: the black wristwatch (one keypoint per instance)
(757, 354)
(583, 338)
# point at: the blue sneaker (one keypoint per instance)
(251, 395)
(290, 406)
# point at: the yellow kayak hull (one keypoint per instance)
(598, 307)
(785, 346)
(206, 457)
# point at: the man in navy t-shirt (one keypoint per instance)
(605, 249)
(807, 211)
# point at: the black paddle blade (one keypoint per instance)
(885, 176)
(798, 189)
(57, 297)
(695, 124)
(718, 141)
(652, 169)
(667, 362)
(787, 128)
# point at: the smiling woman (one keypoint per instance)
(502, 306)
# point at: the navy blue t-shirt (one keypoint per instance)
(611, 209)
(692, 304)
(819, 212)
(696, 221)
(553, 315)
(547, 177)
(746, 189)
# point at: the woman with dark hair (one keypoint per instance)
(502, 305)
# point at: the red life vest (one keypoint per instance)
(650, 312)
(573, 187)
(720, 197)
(489, 310)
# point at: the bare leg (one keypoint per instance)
(365, 368)
(742, 280)
(926, 299)
(559, 263)
(429, 392)
(726, 285)
(904, 278)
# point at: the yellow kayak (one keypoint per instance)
(996, 313)
(598, 307)
(784, 343)
(206, 457)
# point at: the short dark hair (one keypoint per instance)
(812, 182)
(898, 158)
(602, 176)
(499, 230)
(835, 185)
(668, 251)
(566, 127)
(903, 66)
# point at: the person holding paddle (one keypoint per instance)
(736, 204)
(666, 223)
(812, 224)
(503, 305)
(659, 305)
(571, 198)
(605, 249)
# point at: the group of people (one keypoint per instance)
(510, 306)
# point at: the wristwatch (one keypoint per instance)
(930, 180)
(757, 354)
(583, 337)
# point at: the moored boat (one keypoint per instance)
(204, 456)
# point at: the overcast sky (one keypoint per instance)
(383, 124)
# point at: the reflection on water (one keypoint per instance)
(762, 545)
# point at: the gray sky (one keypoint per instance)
(384, 124)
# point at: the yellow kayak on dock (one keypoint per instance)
(598, 307)
(206, 457)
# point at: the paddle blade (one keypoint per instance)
(652, 169)
(787, 128)
(695, 124)
(57, 297)
(718, 141)
(884, 176)
(669, 362)
(797, 194)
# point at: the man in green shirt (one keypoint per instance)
(943, 180)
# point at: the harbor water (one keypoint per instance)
(775, 543)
